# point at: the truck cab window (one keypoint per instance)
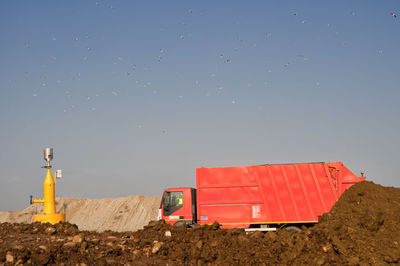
(173, 201)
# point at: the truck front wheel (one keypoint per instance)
(183, 223)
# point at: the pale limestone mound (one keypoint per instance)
(116, 214)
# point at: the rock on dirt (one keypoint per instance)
(9, 257)
(362, 228)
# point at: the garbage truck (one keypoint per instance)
(259, 197)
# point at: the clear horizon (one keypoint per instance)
(133, 96)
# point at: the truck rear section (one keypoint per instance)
(259, 196)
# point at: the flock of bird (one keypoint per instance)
(131, 68)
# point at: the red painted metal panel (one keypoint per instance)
(230, 195)
(280, 193)
(226, 176)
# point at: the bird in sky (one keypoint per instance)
(393, 15)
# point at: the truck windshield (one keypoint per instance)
(173, 201)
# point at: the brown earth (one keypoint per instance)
(362, 228)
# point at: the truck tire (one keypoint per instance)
(183, 223)
(293, 228)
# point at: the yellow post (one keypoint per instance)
(49, 209)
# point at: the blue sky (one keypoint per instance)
(134, 95)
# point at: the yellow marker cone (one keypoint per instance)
(49, 209)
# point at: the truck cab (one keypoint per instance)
(178, 206)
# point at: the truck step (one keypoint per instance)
(259, 229)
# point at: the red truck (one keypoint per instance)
(260, 197)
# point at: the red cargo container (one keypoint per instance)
(272, 194)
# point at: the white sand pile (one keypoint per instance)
(116, 214)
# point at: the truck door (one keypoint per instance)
(176, 206)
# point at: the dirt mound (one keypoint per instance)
(117, 214)
(364, 225)
(362, 228)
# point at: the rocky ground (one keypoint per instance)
(362, 228)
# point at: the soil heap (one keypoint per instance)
(362, 228)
